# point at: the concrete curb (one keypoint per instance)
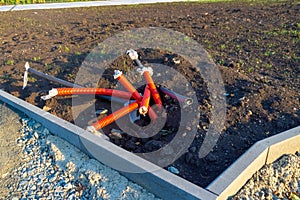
(6, 8)
(261, 153)
(83, 4)
(155, 179)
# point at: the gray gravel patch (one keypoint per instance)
(43, 166)
(10, 126)
(279, 180)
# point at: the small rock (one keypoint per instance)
(153, 145)
(4, 175)
(46, 132)
(52, 179)
(205, 26)
(115, 135)
(36, 135)
(48, 164)
(176, 61)
(68, 186)
(165, 132)
(39, 182)
(188, 128)
(39, 194)
(280, 124)
(193, 149)
(242, 99)
(188, 157)
(130, 145)
(33, 187)
(22, 183)
(173, 170)
(211, 158)
(249, 114)
(24, 175)
(61, 183)
(166, 59)
(37, 125)
(20, 140)
(46, 108)
(41, 177)
(101, 111)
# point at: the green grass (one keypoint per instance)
(32, 79)
(6, 77)
(9, 62)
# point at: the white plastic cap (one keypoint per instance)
(27, 66)
(132, 54)
(92, 130)
(143, 110)
(145, 69)
(117, 74)
(52, 93)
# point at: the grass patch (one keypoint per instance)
(32, 79)
(6, 77)
(9, 62)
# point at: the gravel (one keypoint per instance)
(278, 180)
(38, 165)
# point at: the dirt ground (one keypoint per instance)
(256, 46)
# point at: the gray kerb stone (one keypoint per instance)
(261, 153)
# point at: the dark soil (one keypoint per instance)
(255, 45)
